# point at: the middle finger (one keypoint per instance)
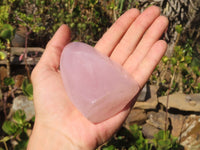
(133, 35)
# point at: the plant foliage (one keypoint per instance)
(17, 129)
(27, 88)
(133, 139)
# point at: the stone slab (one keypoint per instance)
(182, 101)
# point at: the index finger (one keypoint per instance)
(114, 34)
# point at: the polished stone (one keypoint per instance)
(97, 86)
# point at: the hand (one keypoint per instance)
(132, 41)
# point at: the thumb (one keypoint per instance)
(51, 56)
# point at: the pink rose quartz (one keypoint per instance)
(98, 87)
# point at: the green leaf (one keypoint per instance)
(27, 89)
(9, 127)
(132, 148)
(8, 26)
(163, 81)
(164, 143)
(196, 70)
(182, 65)
(2, 55)
(198, 85)
(7, 32)
(111, 147)
(178, 50)
(5, 139)
(9, 81)
(159, 135)
(163, 140)
(174, 61)
(179, 28)
(188, 59)
(19, 116)
(165, 59)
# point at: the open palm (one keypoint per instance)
(132, 41)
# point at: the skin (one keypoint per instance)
(132, 41)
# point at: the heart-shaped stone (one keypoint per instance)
(97, 86)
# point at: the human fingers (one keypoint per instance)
(147, 65)
(51, 56)
(111, 38)
(133, 35)
(150, 37)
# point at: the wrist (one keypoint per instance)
(46, 138)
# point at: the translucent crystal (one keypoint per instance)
(98, 87)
